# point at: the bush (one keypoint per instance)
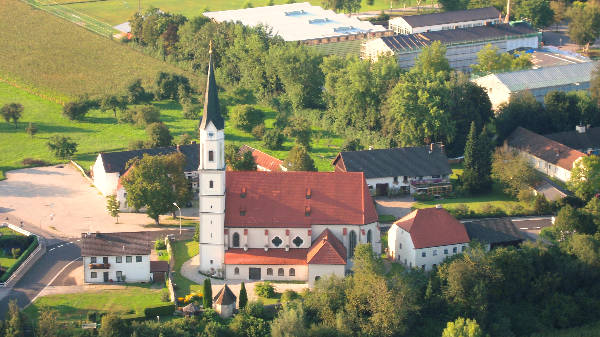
(351, 145)
(423, 197)
(264, 289)
(92, 316)
(246, 117)
(62, 147)
(516, 209)
(164, 295)
(160, 244)
(288, 295)
(273, 139)
(191, 111)
(259, 131)
(541, 206)
(489, 210)
(146, 114)
(159, 135)
(136, 145)
(461, 211)
(34, 162)
(160, 310)
(76, 110)
(15, 252)
(20, 260)
(172, 86)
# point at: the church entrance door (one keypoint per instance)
(254, 273)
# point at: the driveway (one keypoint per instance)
(61, 202)
(396, 206)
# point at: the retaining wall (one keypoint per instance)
(37, 253)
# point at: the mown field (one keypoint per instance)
(58, 59)
(116, 12)
(133, 299)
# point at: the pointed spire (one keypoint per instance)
(212, 112)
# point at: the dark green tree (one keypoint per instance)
(112, 326)
(562, 111)
(112, 102)
(207, 294)
(538, 12)
(298, 159)
(47, 324)
(136, 94)
(62, 147)
(300, 129)
(12, 111)
(477, 163)
(585, 177)
(239, 161)
(522, 110)
(243, 298)
(273, 139)
(245, 117)
(584, 24)
(454, 5)
(158, 135)
(76, 110)
(14, 320)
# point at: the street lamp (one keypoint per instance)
(175, 204)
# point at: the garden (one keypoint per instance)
(14, 249)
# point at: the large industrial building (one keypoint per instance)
(570, 77)
(327, 31)
(475, 17)
(461, 44)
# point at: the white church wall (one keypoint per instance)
(317, 271)
(300, 271)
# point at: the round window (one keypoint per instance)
(276, 241)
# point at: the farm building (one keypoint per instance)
(264, 162)
(410, 170)
(500, 87)
(583, 139)
(493, 233)
(327, 31)
(475, 17)
(461, 44)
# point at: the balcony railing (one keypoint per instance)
(99, 265)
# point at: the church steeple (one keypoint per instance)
(212, 112)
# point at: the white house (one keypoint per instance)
(116, 257)
(475, 17)
(410, 170)
(263, 225)
(426, 237)
(544, 154)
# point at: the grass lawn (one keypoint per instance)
(58, 59)
(131, 300)
(7, 231)
(182, 252)
(6, 261)
(116, 12)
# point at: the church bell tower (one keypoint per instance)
(211, 181)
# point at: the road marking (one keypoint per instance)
(51, 249)
(59, 246)
(51, 281)
(71, 242)
(523, 228)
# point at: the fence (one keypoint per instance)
(170, 276)
(29, 262)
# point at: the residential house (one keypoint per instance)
(493, 233)
(264, 162)
(413, 24)
(410, 170)
(426, 237)
(571, 77)
(461, 44)
(224, 302)
(550, 157)
(116, 257)
(584, 139)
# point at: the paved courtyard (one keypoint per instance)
(396, 206)
(61, 201)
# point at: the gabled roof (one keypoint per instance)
(116, 161)
(211, 112)
(404, 161)
(262, 159)
(115, 244)
(297, 199)
(294, 256)
(225, 296)
(546, 76)
(433, 227)
(159, 266)
(466, 15)
(494, 231)
(543, 148)
(326, 249)
(582, 141)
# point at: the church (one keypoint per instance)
(276, 225)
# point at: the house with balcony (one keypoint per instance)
(117, 257)
(405, 170)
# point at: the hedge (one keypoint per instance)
(160, 310)
(20, 260)
(15, 241)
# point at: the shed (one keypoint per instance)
(159, 269)
(224, 302)
(190, 310)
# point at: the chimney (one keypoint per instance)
(580, 128)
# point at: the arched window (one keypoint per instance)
(236, 271)
(210, 184)
(352, 244)
(292, 272)
(270, 271)
(211, 156)
(369, 236)
(280, 272)
(236, 240)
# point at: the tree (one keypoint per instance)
(184, 139)
(584, 24)
(245, 117)
(12, 111)
(158, 135)
(47, 325)
(432, 60)
(477, 163)
(112, 206)
(585, 177)
(462, 328)
(586, 248)
(112, 326)
(243, 298)
(561, 110)
(62, 147)
(245, 325)
(31, 129)
(538, 12)
(366, 261)
(299, 160)
(490, 60)
(76, 110)
(454, 5)
(136, 94)
(300, 129)
(522, 110)
(595, 85)
(273, 139)
(112, 102)
(290, 322)
(239, 161)
(155, 182)
(207, 294)
(566, 221)
(513, 171)
(348, 6)
(14, 320)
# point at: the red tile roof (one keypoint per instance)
(259, 256)
(279, 199)
(326, 249)
(119, 182)
(544, 148)
(262, 159)
(433, 227)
